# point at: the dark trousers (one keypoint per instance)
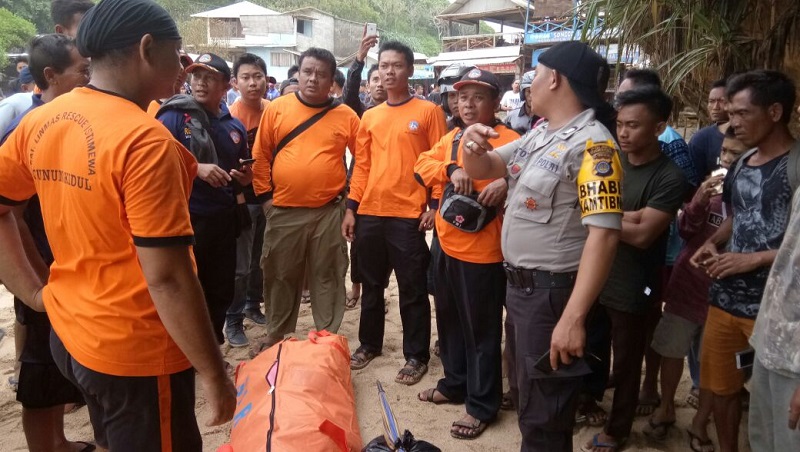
(469, 318)
(385, 243)
(248, 283)
(624, 334)
(547, 402)
(215, 255)
(136, 414)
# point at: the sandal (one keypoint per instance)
(507, 402)
(657, 431)
(70, 408)
(350, 301)
(475, 429)
(87, 447)
(591, 413)
(595, 443)
(693, 399)
(699, 445)
(646, 407)
(305, 297)
(429, 395)
(415, 369)
(436, 350)
(361, 358)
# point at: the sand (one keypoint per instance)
(426, 421)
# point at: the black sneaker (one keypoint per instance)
(236, 337)
(255, 316)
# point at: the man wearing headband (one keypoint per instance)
(560, 233)
(126, 307)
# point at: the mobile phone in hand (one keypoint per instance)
(372, 29)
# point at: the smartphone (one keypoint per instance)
(718, 172)
(745, 358)
(248, 162)
(372, 29)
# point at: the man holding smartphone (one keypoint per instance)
(250, 76)
(219, 148)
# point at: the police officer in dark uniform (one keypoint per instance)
(560, 234)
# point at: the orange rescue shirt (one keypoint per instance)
(390, 139)
(250, 117)
(104, 190)
(482, 247)
(152, 109)
(309, 171)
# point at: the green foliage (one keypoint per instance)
(693, 43)
(35, 11)
(15, 32)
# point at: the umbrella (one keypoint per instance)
(391, 431)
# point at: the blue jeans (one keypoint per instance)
(248, 285)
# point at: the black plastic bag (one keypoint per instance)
(406, 442)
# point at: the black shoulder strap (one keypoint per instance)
(456, 141)
(740, 161)
(303, 127)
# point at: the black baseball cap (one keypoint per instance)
(478, 77)
(211, 62)
(585, 69)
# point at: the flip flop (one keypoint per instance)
(305, 297)
(646, 407)
(351, 302)
(595, 443)
(697, 444)
(89, 447)
(507, 403)
(475, 429)
(657, 431)
(415, 369)
(429, 394)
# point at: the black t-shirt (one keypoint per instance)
(634, 278)
(761, 200)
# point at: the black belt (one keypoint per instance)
(527, 280)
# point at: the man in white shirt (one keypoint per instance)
(511, 99)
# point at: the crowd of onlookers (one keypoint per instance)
(152, 202)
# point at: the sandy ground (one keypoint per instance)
(426, 421)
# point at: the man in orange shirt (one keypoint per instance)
(57, 68)
(126, 307)
(391, 212)
(470, 283)
(299, 174)
(250, 77)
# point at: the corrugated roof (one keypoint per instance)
(469, 55)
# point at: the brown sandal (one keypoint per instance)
(361, 358)
(415, 369)
(429, 395)
(475, 429)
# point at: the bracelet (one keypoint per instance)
(33, 299)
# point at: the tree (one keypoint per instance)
(35, 11)
(15, 33)
(692, 43)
